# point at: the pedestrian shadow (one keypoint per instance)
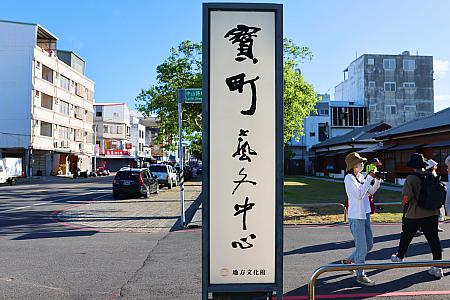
(339, 245)
(54, 234)
(329, 287)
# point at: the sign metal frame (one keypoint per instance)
(276, 286)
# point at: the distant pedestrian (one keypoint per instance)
(447, 199)
(417, 217)
(373, 165)
(358, 190)
(432, 169)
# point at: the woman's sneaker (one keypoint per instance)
(365, 280)
(436, 272)
(395, 258)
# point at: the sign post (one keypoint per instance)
(242, 226)
(184, 96)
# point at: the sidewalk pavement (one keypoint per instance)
(173, 270)
(159, 213)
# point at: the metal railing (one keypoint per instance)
(320, 205)
(381, 266)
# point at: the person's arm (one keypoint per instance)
(406, 192)
(354, 189)
(373, 188)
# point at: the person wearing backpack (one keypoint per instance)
(358, 190)
(432, 168)
(416, 215)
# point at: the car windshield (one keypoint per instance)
(158, 168)
(127, 175)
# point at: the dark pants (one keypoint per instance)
(429, 227)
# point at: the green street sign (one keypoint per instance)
(193, 96)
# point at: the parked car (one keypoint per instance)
(10, 169)
(135, 182)
(101, 171)
(166, 175)
(187, 172)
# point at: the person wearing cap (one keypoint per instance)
(373, 166)
(432, 168)
(417, 217)
(358, 190)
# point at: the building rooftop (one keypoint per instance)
(42, 32)
(358, 135)
(439, 119)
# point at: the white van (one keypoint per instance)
(10, 169)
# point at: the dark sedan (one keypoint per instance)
(134, 182)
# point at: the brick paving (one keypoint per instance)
(158, 213)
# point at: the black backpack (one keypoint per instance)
(432, 192)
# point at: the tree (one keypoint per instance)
(182, 69)
(299, 96)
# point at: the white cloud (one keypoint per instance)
(441, 102)
(440, 67)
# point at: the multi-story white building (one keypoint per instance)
(46, 102)
(113, 135)
(395, 88)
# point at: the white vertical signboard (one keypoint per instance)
(242, 152)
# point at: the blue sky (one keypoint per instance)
(124, 41)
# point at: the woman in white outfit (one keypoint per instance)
(358, 190)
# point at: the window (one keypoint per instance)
(371, 84)
(389, 86)
(409, 64)
(410, 108)
(312, 134)
(46, 129)
(119, 129)
(80, 90)
(370, 61)
(323, 131)
(390, 109)
(64, 107)
(98, 111)
(47, 101)
(64, 82)
(389, 64)
(47, 73)
(38, 65)
(409, 85)
(322, 112)
(105, 128)
(64, 133)
(373, 107)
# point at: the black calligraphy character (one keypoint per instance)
(244, 148)
(242, 209)
(243, 35)
(247, 246)
(237, 82)
(239, 182)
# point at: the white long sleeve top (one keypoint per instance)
(358, 195)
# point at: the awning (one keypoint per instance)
(438, 144)
(376, 148)
(405, 147)
(333, 153)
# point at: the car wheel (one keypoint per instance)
(116, 195)
(147, 194)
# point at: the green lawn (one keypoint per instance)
(305, 190)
